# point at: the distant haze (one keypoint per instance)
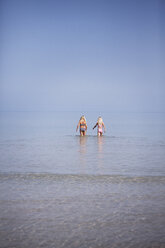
(82, 55)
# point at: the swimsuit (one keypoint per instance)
(100, 128)
(82, 127)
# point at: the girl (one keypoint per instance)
(100, 125)
(83, 126)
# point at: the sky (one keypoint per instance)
(82, 55)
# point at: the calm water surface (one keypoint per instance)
(62, 190)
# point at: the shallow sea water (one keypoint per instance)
(61, 190)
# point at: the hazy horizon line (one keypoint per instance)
(104, 111)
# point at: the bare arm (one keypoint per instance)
(95, 125)
(78, 126)
(104, 127)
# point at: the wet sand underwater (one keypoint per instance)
(46, 210)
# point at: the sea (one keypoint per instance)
(60, 190)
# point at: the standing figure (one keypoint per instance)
(100, 125)
(83, 126)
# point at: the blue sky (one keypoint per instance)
(82, 55)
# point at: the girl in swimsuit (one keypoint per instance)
(83, 126)
(100, 125)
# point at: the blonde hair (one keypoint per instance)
(83, 118)
(100, 120)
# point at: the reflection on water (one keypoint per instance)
(65, 191)
(91, 153)
(83, 141)
(82, 152)
(100, 152)
(100, 142)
